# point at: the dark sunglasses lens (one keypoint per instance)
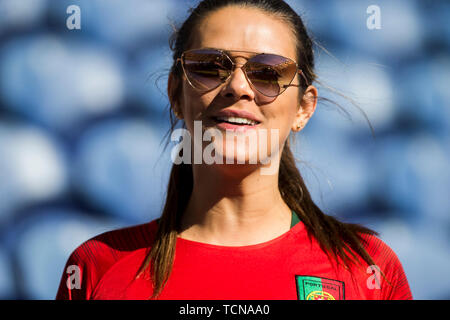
(270, 73)
(206, 69)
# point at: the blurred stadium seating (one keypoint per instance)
(83, 114)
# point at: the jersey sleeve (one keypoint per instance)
(75, 283)
(79, 274)
(394, 285)
(91, 260)
(83, 270)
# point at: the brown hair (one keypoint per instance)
(340, 241)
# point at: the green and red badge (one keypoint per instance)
(316, 288)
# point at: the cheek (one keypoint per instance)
(281, 115)
(192, 106)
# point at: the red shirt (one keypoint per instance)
(288, 267)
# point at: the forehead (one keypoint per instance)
(246, 29)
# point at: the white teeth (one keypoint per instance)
(237, 120)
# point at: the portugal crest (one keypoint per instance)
(316, 288)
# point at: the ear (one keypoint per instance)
(172, 90)
(307, 107)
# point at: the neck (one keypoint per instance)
(235, 207)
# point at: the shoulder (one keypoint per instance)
(112, 244)
(387, 271)
(126, 239)
(380, 252)
(93, 258)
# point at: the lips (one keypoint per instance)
(235, 120)
(237, 114)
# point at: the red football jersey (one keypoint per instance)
(288, 267)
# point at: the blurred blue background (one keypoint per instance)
(83, 114)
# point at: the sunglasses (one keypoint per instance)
(269, 74)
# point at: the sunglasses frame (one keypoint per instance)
(234, 64)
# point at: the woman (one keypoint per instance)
(229, 231)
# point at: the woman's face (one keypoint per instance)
(246, 29)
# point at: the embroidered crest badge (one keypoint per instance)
(317, 288)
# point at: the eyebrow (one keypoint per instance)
(229, 52)
(251, 53)
(226, 51)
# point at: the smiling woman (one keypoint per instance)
(227, 231)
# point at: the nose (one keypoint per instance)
(237, 86)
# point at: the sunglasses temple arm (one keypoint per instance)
(297, 85)
(303, 76)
